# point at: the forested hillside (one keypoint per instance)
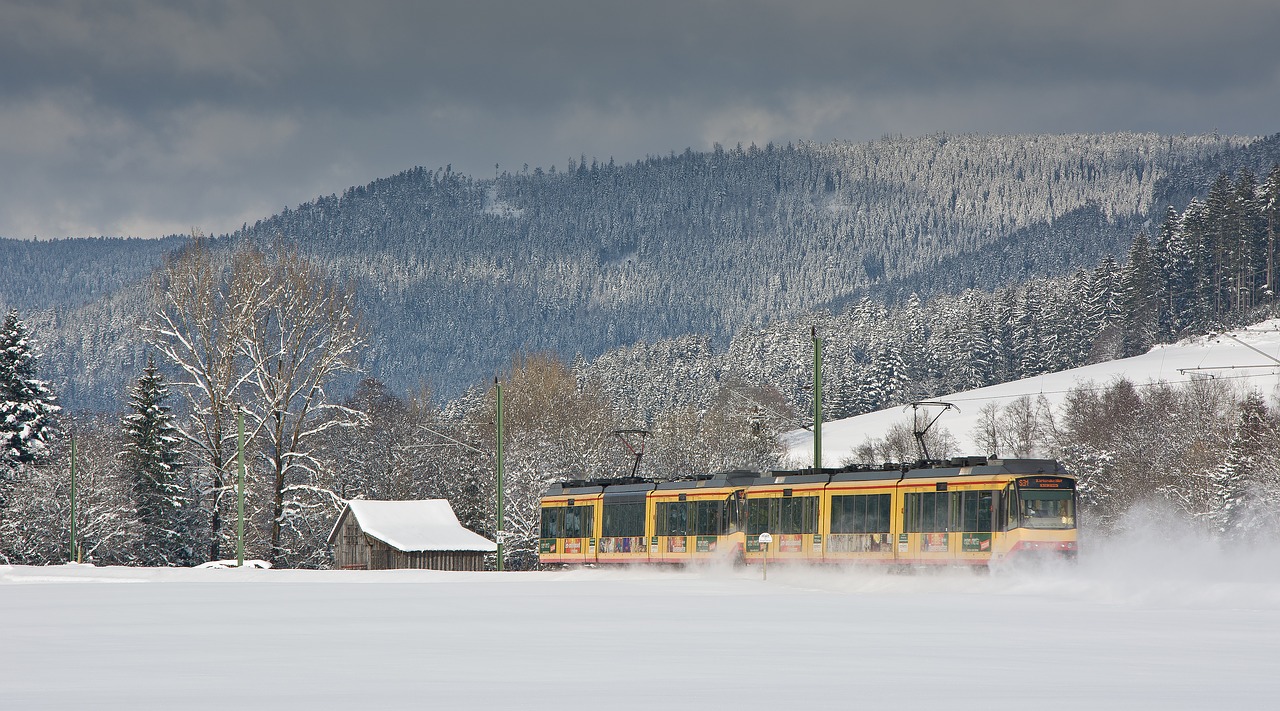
(454, 274)
(465, 272)
(69, 273)
(1209, 266)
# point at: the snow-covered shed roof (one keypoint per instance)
(427, 525)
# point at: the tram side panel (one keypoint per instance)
(950, 520)
(670, 540)
(697, 520)
(926, 524)
(791, 515)
(973, 509)
(625, 511)
(860, 525)
(569, 529)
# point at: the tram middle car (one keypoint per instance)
(967, 511)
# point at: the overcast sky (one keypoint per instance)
(150, 118)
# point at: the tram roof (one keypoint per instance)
(792, 478)
(955, 467)
(573, 488)
(962, 466)
(739, 477)
(628, 488)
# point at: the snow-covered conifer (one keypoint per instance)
(151, 458)
(1138, 300)
(27, 406)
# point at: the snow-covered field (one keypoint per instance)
(1231, 356)
(1145, 623)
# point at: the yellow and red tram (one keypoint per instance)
(966, 511)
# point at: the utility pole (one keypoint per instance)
(817, 398)
(72, 556)
(240, 488)
(501, 519)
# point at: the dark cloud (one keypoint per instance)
(151, 117)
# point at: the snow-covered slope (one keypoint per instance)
(1250, 356)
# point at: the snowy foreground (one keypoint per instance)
(1249, 357)
(1135, 625)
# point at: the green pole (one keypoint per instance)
(71, 555)
(501, 518)
(817, 399)
(240, 488)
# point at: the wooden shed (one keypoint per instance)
(385, 535)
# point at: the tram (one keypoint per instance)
(970, 511)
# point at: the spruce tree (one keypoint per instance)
(1028, 343)
(1176, 266)
(27, 407)
(1139, 302)
(1221, 237)
(1248, 263)
(1269, 202)
(152, 459)
(1102, 311)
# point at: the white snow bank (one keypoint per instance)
(234, 564)
(1155, 620)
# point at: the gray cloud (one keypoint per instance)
(146, 118)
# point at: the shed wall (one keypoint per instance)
(350, 549)
(385, 557)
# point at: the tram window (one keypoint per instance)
(1011, 508)
(790, 516)
(974, 510)
(843, 514)
(621, 520)
(708, 518)
(879, 513)
(672, 518)
(735, 512)
(760, 514)
(1047, 509)
(577, 522)
(860, 513)
(798, 514)
(552, 522)
(928, 512)
(986, 507)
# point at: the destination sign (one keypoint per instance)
(1046, 482)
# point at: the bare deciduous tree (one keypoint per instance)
(266, 334)
(204, 301)
(304, 334)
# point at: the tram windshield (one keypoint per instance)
(1047, 509)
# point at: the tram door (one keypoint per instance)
(974, 517)
(928, 526)
(736, 511)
